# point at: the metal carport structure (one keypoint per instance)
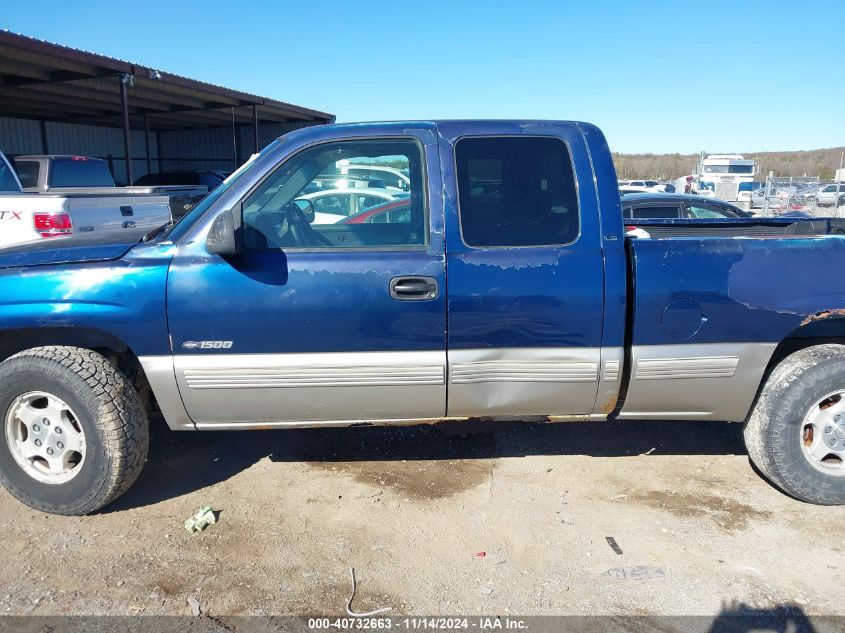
(52, 83)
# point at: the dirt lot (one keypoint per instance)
(412, 510)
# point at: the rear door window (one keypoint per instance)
(516, 191)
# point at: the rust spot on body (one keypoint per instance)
(824, 314)
(607, 407)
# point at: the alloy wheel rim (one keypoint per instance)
(822, 434)
(45, 437)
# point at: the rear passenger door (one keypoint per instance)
(525, 270)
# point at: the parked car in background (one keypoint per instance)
(779, 197)
(392, 177)
(83, 174)
(677, 205)
(205, 177)
(333, 205)
(629, 189)
(99, 215)
(397, 211)
(643, 185)
(745, 190)
(828, 195)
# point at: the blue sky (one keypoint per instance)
(738, 75)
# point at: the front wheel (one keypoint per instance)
(795, 434)
(75, 433)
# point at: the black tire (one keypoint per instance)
(773, 431)
(110, 414)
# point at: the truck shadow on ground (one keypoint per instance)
(183, 462)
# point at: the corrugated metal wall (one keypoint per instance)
(213, 148)
(216, 148)
(23, 136)
(20, 136)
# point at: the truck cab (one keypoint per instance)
(42, 173)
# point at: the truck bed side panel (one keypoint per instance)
(709, 313)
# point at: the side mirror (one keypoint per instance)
(307, 208)
(221, 237)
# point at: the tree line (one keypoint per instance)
(815, 162)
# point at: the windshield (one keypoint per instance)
(181, 226)
(729, 169)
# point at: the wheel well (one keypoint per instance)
(19, 339)
(814, 331)
(821, 331)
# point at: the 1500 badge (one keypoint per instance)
(207, 345)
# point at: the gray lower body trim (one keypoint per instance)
(279, 389)
(162, 379)
(716, 381)
(522, 381)
(610, 381)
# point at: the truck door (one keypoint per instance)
(526, 280)
(318, 322)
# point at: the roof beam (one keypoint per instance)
(10, 104)
(53, 77)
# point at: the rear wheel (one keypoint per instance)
(795, 434)
(75, 433)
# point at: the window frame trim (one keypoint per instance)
(353, 249)
(555, 137)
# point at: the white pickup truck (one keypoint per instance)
(59, 173)
(32, 217)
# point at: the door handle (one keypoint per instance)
(129, 224)
(126, 211)
(414, 288)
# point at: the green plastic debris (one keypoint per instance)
(200, 519)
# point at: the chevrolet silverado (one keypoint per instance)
(510, 289)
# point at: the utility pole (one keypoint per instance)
(767, 193)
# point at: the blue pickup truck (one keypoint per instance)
(507, 287)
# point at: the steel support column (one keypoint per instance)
(234, 143)
(255, 129)
(127, 152)
(147, 142)
(45, 147)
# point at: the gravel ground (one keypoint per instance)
(511, 522)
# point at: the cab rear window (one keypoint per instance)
(80, 172)
(516, 191)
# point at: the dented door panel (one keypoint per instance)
(525, 323)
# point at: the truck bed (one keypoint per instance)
(707, 310)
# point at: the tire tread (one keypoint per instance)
(121, 417)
